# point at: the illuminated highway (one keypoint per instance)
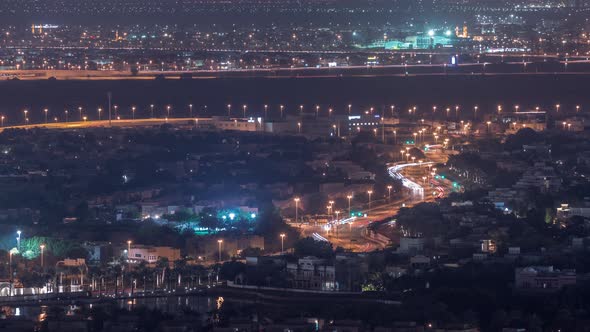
(395, 172)
(304, 72)
(353, 234)
(113, 123)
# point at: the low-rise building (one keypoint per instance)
(543, 278)
(150, 254)
(312, 273)
(565, 211)
(411, 244)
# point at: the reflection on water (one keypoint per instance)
(173, 304)
(201, 304)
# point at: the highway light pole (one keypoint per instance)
(283, 243)
(296, 208)
(42, 253)
(349, 198)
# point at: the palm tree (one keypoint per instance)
(114, 271)
(163, 265)
(142, 271)
(96, 274)
(181, 269)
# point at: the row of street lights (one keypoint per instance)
(411, 111)
(282, 236)
(349, 197)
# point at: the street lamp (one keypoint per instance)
(219, 242)
(46, 111)
(282, 108)
(26, 111)
(42, 253)
(152, 110)
(228, 109)
(282, 242)
(299, 127)
(18, 233)
(296, 208)
(133, 112)
(190, 110)
(128, 247)
(349, 198)
(99, 112)
(265, 111)
(168, 110)
(370, 192)
(2, 121)
(244, 107)
(389, 192)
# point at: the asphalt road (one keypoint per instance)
(353, 235)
